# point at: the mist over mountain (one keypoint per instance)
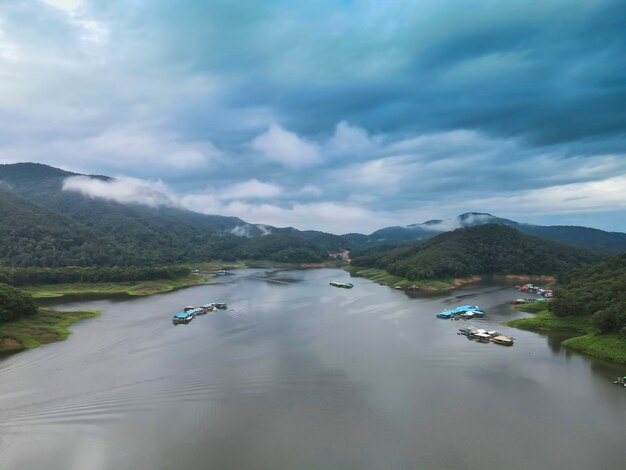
(600, 240)
(54, 217)
(154, 231)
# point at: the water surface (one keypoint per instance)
(298, 374)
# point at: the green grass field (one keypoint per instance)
(47, 291)
(46, 326)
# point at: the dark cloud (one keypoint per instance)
(402, 108)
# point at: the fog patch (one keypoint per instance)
(124, 190)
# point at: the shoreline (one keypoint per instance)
(440, 285)
(131, 288)
(46, 326)
(584, 339)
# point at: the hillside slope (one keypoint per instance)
(137, 234)
(34, 236)
(483, 249)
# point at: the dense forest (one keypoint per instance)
(599, 291)
(41, 225)
(34, 275)
(483, 249)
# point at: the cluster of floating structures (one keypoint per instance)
(464, 312)
(546, 293)
(344, 285)
(189, 312)
(484, 336)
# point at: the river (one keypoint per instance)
(297, 374)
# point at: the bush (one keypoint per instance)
(14, 303)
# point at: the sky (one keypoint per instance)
(337, 115)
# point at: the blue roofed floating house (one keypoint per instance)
(183, 317)
(467, 311)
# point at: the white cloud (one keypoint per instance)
(603, 195)
(311, 190)
(250, 189)
(68, 6)
(287, 148)
(351, 139)
(446, 225)
(384, 172)
(123, 190)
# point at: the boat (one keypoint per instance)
(209, 307)
(220, 305)
(502, 339)
(194, 310)
(481, 337)
(182, 317)
(345, 285)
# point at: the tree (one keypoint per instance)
(15, 303)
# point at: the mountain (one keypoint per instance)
(131, 234)
(481, 249)
(609, 242)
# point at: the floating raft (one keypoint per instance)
(466, 311)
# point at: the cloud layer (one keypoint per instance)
(339, 115)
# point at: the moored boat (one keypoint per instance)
(503, 340)
(345, 285)
(220, 305)
(182, 317)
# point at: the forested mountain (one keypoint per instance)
(43, 225)
(483, 249)
(32, 235)
(609, 242)
(598, 290)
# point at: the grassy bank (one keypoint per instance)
(380, 275)
(46, 326)
(47, 291)
(585, 339)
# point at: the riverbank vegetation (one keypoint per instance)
(24, 326)
(586, 338)
(44, 326)
(598, 292)
(77, 274)
(382, 276)
(148, 287)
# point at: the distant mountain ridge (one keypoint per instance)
(595, 239)
(45, 225)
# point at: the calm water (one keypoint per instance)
(297, 374)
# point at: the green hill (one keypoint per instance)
(73, 229)
(483, 249)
